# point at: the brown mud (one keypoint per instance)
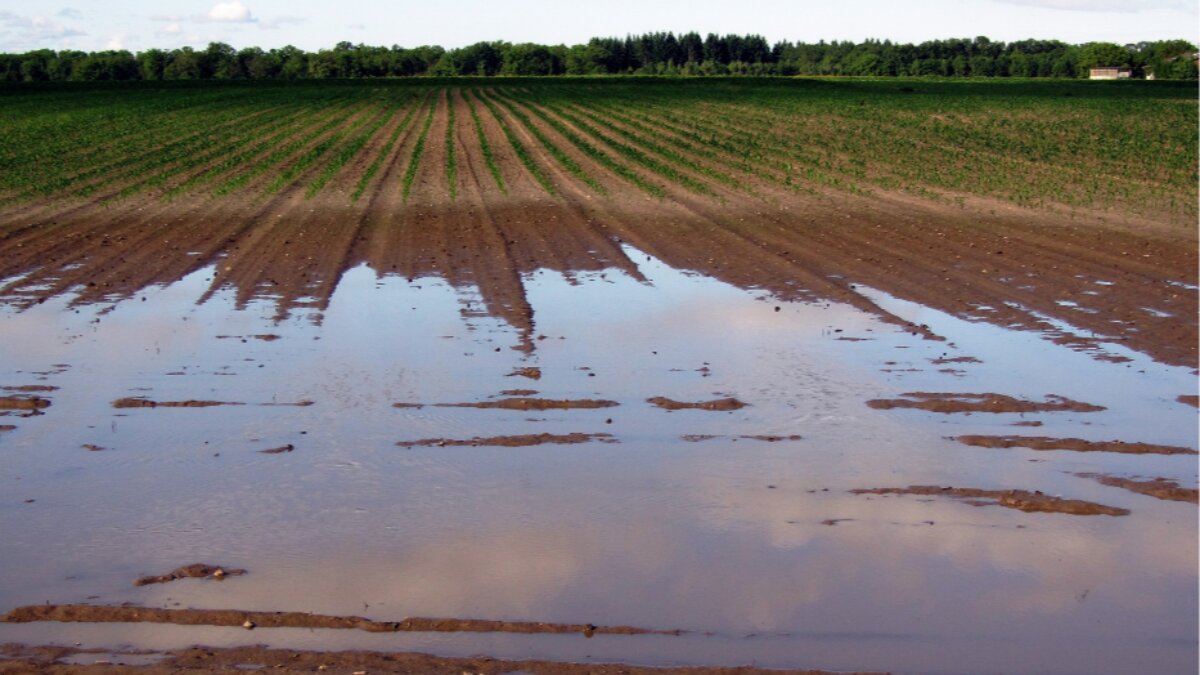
(23, 403)
(7, 427)
(1114, 277)
(138, 402)
(721, 404)
(1192, 400)
(251, 619)
(525, 403)
(1159, 488)
(49, 659)
(983, 403)
(278, 451)
(1021, 500)
(515, 441)
(28, 388)
(765, 438)
(1074, 444)
(193, 571)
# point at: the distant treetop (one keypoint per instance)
(648, 54)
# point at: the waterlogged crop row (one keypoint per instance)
(1031, 143)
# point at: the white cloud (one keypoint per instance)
(170, 29)
(70, 13)
(19, 32)
(230, 12)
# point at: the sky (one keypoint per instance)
(135, 25)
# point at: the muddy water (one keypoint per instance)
(756, 548)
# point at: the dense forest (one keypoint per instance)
(649, 54)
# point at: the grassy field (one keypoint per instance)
(1130, 147)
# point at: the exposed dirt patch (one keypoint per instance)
(1021, 500)
(279, 451)
(720, 404)
(23, 403)
(139, 402)
(834, 521)
(91, 447)
(1159, 488)
(193, 571)
(28, 388)
(1075, 444)
(233, 617)
(772, 439)
(21, 659)
(984, 403)
(531, 373)
(525, 403)
(519, 392)
(516, 441)
(7, 427)
(1190, 399)
(944, 360)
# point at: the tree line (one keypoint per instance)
(662, 54)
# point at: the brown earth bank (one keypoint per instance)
(251, 620)
(721, 404)
(147, 403)
(524, 403)
(1074, 444)
(23, 403)
(1159, 488)
(1021, 500)
(514, 441)
(193, 571)
(983, 403)
(48, 659)
(1084, 280)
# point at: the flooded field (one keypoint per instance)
(507, 375)
(738, 527)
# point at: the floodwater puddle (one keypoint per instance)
(602, 509)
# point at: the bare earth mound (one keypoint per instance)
(983, 403)
(1075, 444)
(1159, 488)
(515, 441)
(1021, 500)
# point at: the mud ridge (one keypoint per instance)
(524, 403)
(1159, 488)
(193, 571)
(23, 403)
(48, 658)
(139, 402)
(1021, 500)
(515, 441)
(983, 403)
(1074, 444)
(728, 403)
(252, 619)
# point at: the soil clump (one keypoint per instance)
(982, 403)
(1021, 500)
(193, 571)
(1074, 444)
(1159, 488)
(514, 441)
(721, 404)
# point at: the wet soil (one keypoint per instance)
(26, 388)
(1159, 488)
(147, 403)
(982, 403)
(193, 571)
(49, 659)
(251, 619)
(721, 404)
(524, 403)
(23, 403)
(514, 441)
(1021, 500)
(1075, 444)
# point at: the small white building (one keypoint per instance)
(1111, 73)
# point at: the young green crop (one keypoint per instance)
(486, 148)
(414, 160)
(519, 148)
(384, 151)
(451, 163)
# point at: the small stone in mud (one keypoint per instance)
(280, 450)
(193, 571)
(720, 404)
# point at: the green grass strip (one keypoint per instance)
(556, 152)
(347, 153)
(314, 153)
(634, 154)
(519, 148)
(384, 151)
(280, 154)
(414, 160)
(486, 148)
(451, 164)
(592, 151)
